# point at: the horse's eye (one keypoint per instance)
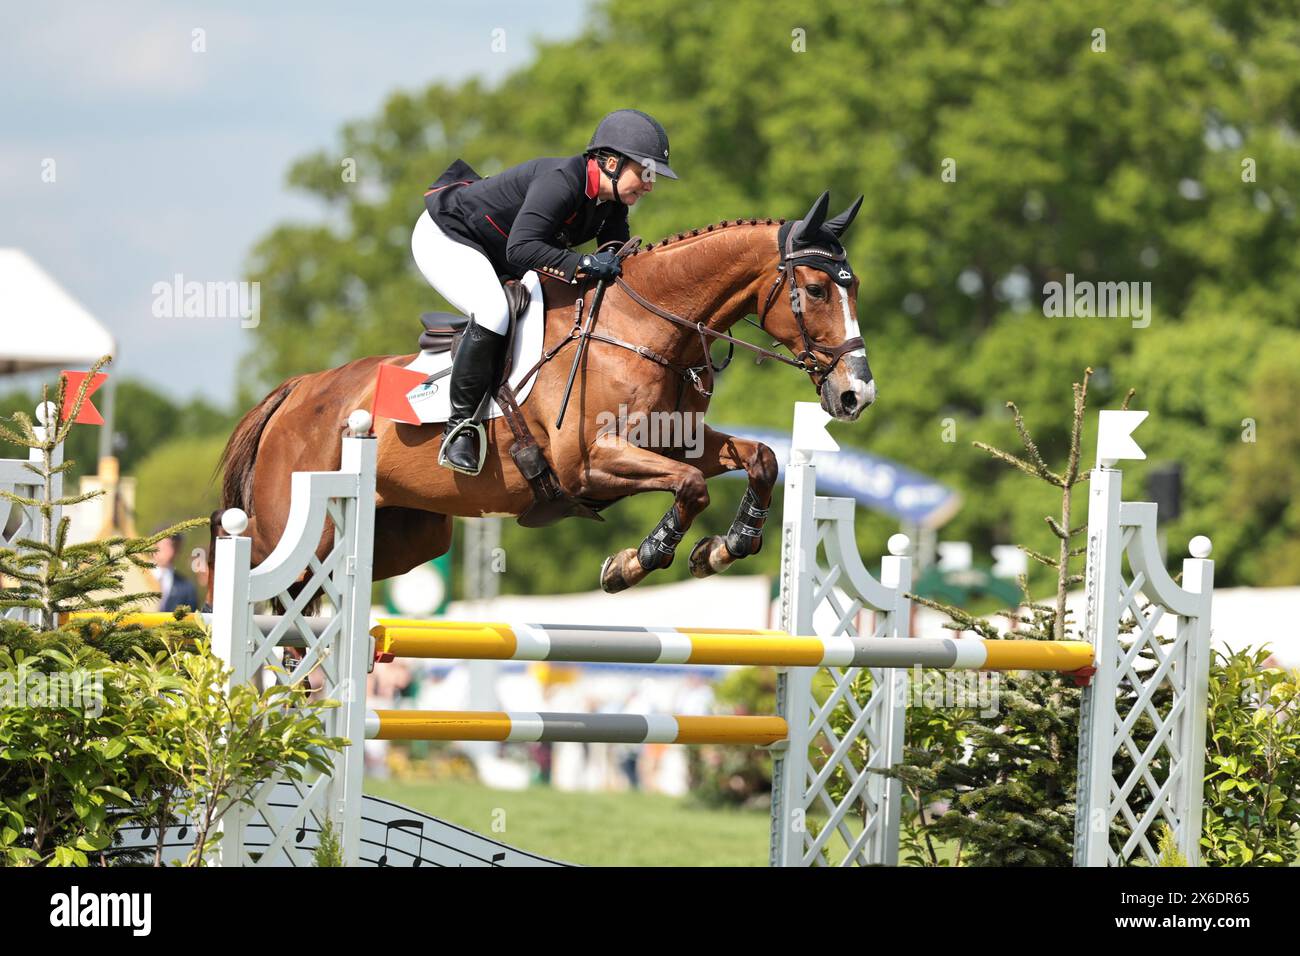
(817, 291)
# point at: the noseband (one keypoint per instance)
(808, 360)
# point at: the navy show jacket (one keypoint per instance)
(528, 216)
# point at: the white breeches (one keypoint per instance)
(463, 276)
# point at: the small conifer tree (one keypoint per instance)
(1009, 780)
(46, 573)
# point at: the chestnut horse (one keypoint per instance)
(714, 277)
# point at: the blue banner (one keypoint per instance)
(874, 482)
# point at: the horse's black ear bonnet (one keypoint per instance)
(816, 241)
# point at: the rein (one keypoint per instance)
(806, 361)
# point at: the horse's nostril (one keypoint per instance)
(849, 400)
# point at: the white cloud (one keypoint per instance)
(99, 53)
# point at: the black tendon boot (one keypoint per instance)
(474, 372)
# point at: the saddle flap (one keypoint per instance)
(518, 298)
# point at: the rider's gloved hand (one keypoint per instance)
(601, 265)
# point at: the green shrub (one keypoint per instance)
(1252, 787)
(153, 739)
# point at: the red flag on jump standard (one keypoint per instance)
(88, 414)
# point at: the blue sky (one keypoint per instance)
(170, 161)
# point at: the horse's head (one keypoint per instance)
(817, 319)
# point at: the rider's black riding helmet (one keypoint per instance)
(637, 136)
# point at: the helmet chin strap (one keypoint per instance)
(614, 177)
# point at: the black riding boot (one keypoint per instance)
(479, 358)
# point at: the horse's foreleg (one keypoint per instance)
(616, 469)
(727, 453)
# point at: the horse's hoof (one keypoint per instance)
(614, 573)
(710, 556)
(611, 578)
(699, 561)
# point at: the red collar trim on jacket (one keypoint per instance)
(593, 179)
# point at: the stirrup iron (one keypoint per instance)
(468, 423)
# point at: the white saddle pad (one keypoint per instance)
(432, 403)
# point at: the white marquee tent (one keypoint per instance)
(41, 325)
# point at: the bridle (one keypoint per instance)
(785, 267)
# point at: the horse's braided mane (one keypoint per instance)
(692, 233)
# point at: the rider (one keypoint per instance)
(529, 216)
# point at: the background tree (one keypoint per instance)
(998, 150)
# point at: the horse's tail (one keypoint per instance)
(237, 462)
(239, 459)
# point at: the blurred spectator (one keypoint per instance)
(176, 589)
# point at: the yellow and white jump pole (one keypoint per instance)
(395, 637)
(577, 728)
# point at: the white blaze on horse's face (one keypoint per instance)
(850, 389)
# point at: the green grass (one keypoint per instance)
(595, 829)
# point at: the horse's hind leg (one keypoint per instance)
(727, 453)
(406, 538)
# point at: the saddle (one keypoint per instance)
(442, 332)
(441, 329)
(551, 503)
